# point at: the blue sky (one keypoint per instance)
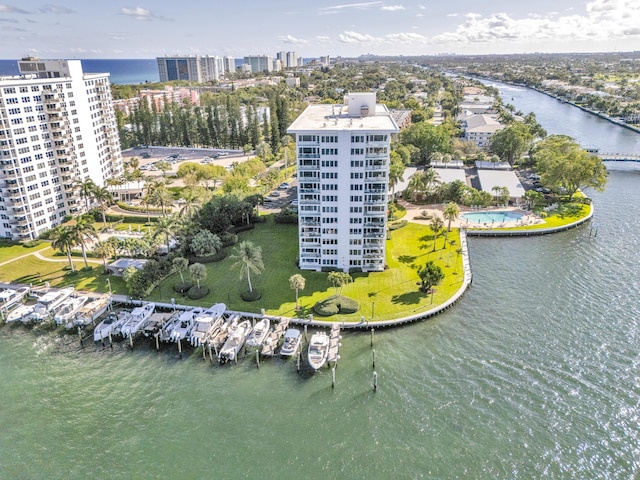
(150, 28)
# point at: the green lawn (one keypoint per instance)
(384, 295)
(565, 214)
(9, 249)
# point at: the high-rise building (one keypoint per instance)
(259, 63)
(288, 59)
(229, 64)
(57, 127)
(343, 183)
(196, 68)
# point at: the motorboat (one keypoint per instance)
(65, 313)
(182, 328)
(259, 333)
(216, 337)
(137, 319)
(19, 313)
(49, 303)
(318, 350)
(206, 324)
(237, 336)
(91, 310)
(292, 339)
(167, 327)
(11, 296)
(110, 325)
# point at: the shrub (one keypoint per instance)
(221, 255)
(286, 216)
(32, 243)
(336, 304)
(251, 296)
(243, 228)
(228, 238)
(397, 225)
(182, 287)
(196, 293)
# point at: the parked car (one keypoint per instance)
(283, 186)
(274, 194)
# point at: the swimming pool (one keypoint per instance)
(492, 217)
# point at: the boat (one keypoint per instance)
(91, 311)
(67, 310)
(182, 328)
(292, 339)
(318, 350)
(216, 337)
(110, 325)
(19, 313)
(167, 327)
(206, 324)
(11, 296)
(259, 333)
(137, 319)
(48, 304)
(235, 341)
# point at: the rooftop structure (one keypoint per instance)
(343, 183)
(57, 127)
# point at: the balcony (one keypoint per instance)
(374, 190)
(309, 190)
(15, 194)
(309, 155)
(376, 200)
(52, 108)
(309, 255)
(306, 165)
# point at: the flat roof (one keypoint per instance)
(500, 178)
(448, 175)
(335, 117)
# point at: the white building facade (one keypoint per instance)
(343, 184)
(57, 127)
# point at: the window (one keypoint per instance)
(357, 138)
(305, 138)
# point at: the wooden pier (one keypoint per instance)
(334, 344)
(270, 344)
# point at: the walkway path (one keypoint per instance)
(22, 256)
(39, 256)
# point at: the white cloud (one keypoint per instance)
(392, 8)
(10, 9)
(358, 6)
(293, 40)
(401, 38)
(55, 9)
(140, 13)
(355, 37)
(422, 7)
(323, 38)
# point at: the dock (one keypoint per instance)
(334, 344)
(270, 344)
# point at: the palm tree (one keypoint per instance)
(83, 230)
(297, 282)
(450, 213)
(104, 250)
(435, 226)
(396, 172)
(190, 205)
(198, 272)
(339, 280)
(86, 188)
(162, 197)
(180, 264)
(165, 226)
(63, 239)
(430, 274)
(104, 199)
(248, 258)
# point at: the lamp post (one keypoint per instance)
(109, 284)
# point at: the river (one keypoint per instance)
(533, 374)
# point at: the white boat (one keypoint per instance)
(67, 310)
(167, 327)
(217, 336)
(259, 333)
(182, 328)
(19, 313)
(48, 303)
(318, 350)
(137, 319)
(207, 324)
(110, 325)
(291, 342)
(235, 341)
(11, 296)
(91, 311)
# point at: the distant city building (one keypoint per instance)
(343, 183)
(229, 64)
(259, 63)
(288, 59)
(196, 68)
(57, 127)
(292, 81)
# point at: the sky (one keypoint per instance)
(151, 28)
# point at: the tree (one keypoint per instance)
(248, 258)
(64, 239)
(165, 227)
(511, 142)
(430, 275)
(104, 250)
(190, 205)
(396, 171)
(561, 162)
(103, 196)
(161, 197)
(83, 230)
(164, 167)
(180, 264)
(427, 138)
(436, 225)
(86, 188)
(198, 272)
(450, 213)
(205, 243)
(297, 282)
(339, 280)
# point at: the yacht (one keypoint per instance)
(48, 303)
(137, 319)
(11, 296)
(216, 337)
(19, 313)
(259, 333)
(207, 324)
(110, 325)
(91, 311)
(291, 342)
(68, 309)
(318, 350)
(235, 341)
(182, 328)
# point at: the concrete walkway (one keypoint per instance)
(39, 256)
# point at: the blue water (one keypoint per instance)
(490, 217)
(122, 71)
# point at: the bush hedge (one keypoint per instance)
(221, 255)
(251, 296)
(336, 304)
(397, 225)
(196, 293)
(182, 287)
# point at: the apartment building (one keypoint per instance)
(194, 68)
(57, 126)
(343, 183)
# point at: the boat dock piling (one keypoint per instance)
(334, 344)
(271, 343)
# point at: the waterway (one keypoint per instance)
(533, 374)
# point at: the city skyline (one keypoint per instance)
(149, 29)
